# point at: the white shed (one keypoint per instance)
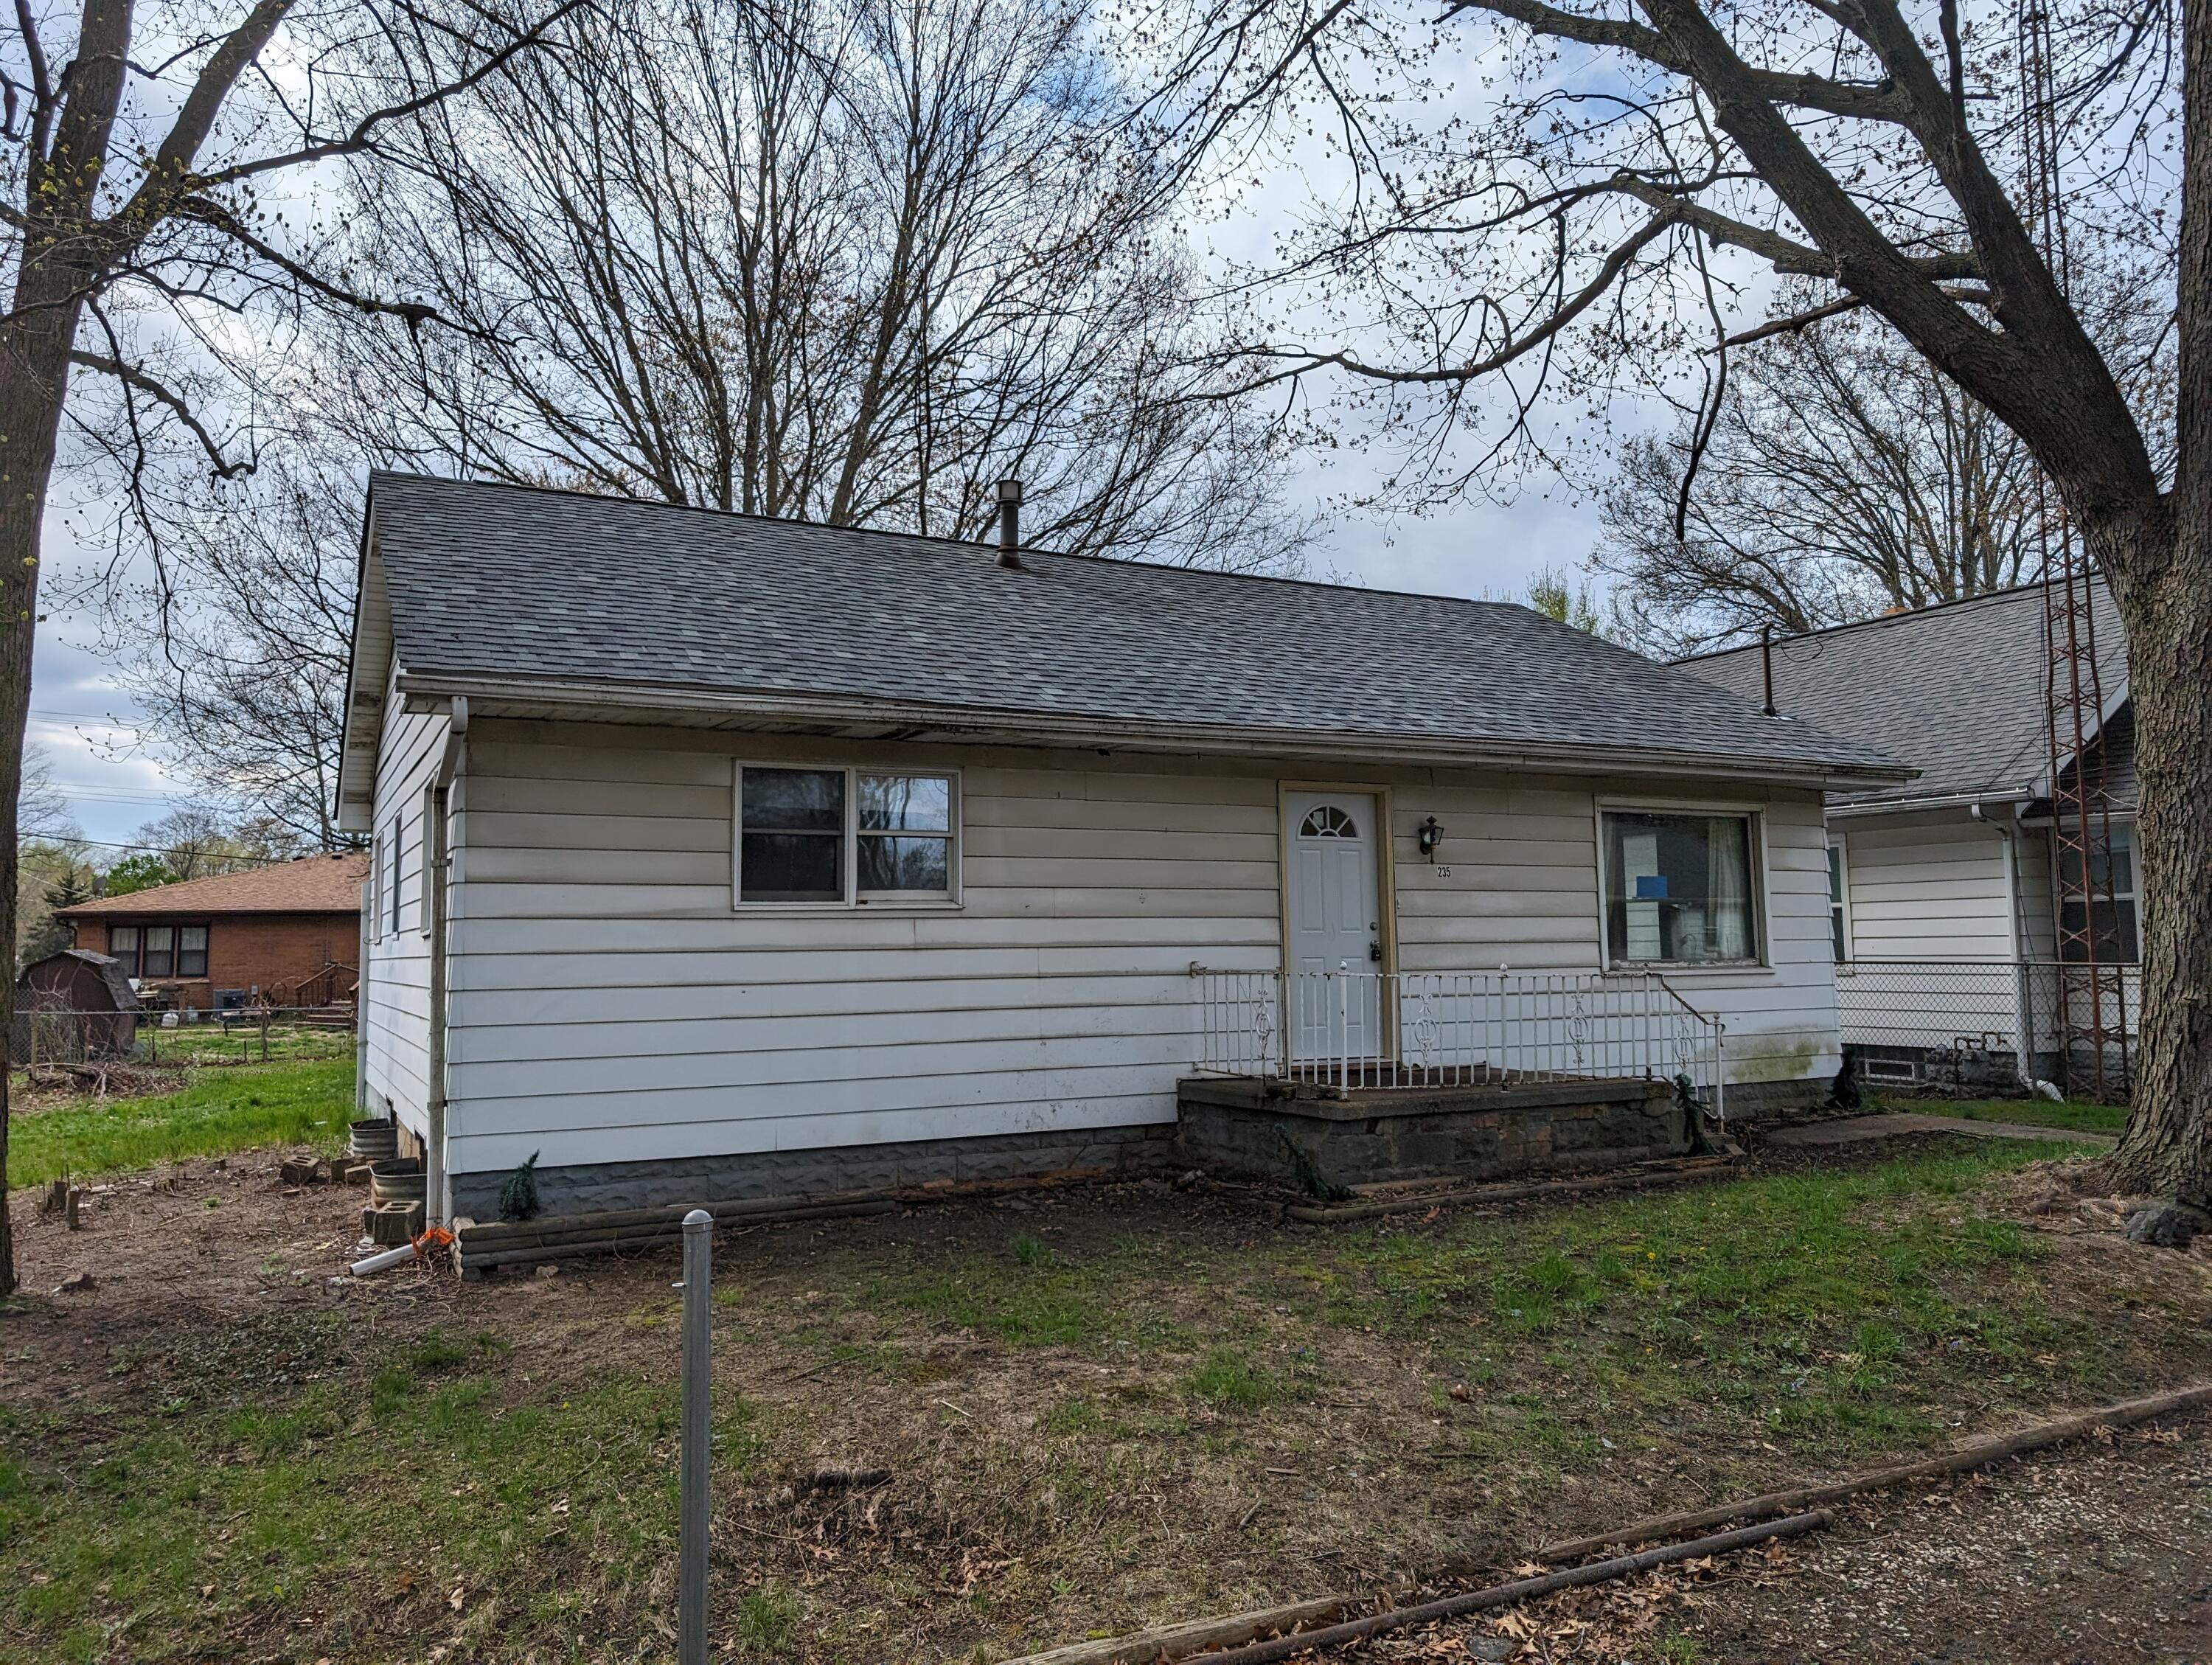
(720, 856)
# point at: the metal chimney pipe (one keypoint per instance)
(1010, 523)
(1766, 663)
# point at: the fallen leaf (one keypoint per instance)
(460, 1595)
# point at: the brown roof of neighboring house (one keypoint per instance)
(313, 885)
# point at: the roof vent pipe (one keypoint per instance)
(1766, 663)
(1010, 523)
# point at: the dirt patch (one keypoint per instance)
(1098, 1409)
(2098, 1552)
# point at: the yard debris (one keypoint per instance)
(2168, 1225)
(300, 1170)
(847, 1480)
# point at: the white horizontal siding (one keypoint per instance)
(1929, 886)
(395, 991)
(609, 1003)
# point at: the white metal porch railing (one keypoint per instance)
(1434, 1029)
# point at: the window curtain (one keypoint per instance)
(1729, 875)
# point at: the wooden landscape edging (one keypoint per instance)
(1619, 1179)
(486, 1245)
(1976, 1454)
(1233, 1631)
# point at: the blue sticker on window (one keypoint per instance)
(1651, 887)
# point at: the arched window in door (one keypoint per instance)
(1327, 821)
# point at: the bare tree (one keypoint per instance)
(238, 653)
(1631, 180)
(1842, 477)
(136, 140)
(845, 260)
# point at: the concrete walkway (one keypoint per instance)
(1860, 1129)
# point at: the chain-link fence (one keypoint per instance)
(1981, 1028)
(46, 1035)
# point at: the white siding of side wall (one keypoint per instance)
(608, 1004)
(395, 994)
(1929, 886)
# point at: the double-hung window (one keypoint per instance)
(159, 950)
(2110, 901)
(1681, 888)
(841, 837)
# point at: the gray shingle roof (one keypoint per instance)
(1957, 689)
(514, 583)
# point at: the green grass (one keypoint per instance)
(447, 1472)
(1822, 1307)
(205, 1040)
(1074, 1413)
(224, 1109)
(2075, 1116)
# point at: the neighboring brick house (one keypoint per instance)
(290, 932)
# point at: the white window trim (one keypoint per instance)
(375, 887)
(396, 900)
(1755, 848)
(1840, 903)
(855, 901)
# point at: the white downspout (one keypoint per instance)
(437, 1189)
(2013, 931)
(361, 1012)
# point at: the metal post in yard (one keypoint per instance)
(691, 1544)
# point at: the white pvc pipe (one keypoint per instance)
(378, 1262)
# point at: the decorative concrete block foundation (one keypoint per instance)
(1273, 1129)
(594, 1187)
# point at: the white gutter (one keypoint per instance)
(1949, 800)
(428, 691)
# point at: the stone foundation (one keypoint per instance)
(1272, 1129)
(591, 1187)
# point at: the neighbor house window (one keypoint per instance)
(844, 835)
(1678, 888)
(159, 950)
(2110, 902)
(1839, 923)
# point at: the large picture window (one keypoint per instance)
(2112, 898)
(1680, 889)
(159, 950)
(833, 836)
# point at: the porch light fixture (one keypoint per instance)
(1431, 835)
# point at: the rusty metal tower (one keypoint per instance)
(2091, 996)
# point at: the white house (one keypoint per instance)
(719, 856)
(1946, 896)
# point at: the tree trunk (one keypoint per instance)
(35, 363)
(2166, 1150)
(2167, 608)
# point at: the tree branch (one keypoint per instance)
(132, 376)
(364, 130)
(1614, 263)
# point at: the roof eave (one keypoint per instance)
(582, 701)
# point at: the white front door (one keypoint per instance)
(1331, 840)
